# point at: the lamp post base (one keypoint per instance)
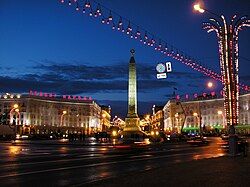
(233, 145)
(233, 138)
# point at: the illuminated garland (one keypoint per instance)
(133, 31)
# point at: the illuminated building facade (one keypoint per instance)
(207, 114)
(157, 119)
(45, 114)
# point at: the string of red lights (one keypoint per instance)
(132, 30)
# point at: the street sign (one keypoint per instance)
(162, 70)
(161, 75)
(168, 67)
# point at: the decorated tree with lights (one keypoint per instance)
(229, 60)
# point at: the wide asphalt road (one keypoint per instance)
(63, 164)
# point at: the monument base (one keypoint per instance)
(132, 131)
(132, 125)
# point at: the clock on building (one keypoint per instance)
(160, 68)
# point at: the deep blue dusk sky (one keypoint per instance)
(47, 46)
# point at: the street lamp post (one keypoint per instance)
(61, 122)
(185, 116)
(223, 118)
(182, 112)
(228, 50)
(176, 121)
(15, 109)
(149, 122)
(103, 122)
(198, 116)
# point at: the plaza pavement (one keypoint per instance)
(215, 172)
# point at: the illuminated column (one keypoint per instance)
(132, 121)
(132, 88)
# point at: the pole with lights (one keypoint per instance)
(198, 116)
(220, 113)
(227, 34)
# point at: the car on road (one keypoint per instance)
(198, 141)
(224, 136)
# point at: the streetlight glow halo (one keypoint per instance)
(198, 8)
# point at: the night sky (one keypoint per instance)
(47, 46)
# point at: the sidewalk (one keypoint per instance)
(215, 172)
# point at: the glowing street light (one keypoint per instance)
(114, 133)
(195, 114)
(15, 106)
(154, 133)
(210, 84)
(198, 8)
(220, 112)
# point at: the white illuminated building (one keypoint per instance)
(208, 112)
(43, 114)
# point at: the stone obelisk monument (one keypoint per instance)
(132, 121)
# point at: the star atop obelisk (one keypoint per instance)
(132, 51)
